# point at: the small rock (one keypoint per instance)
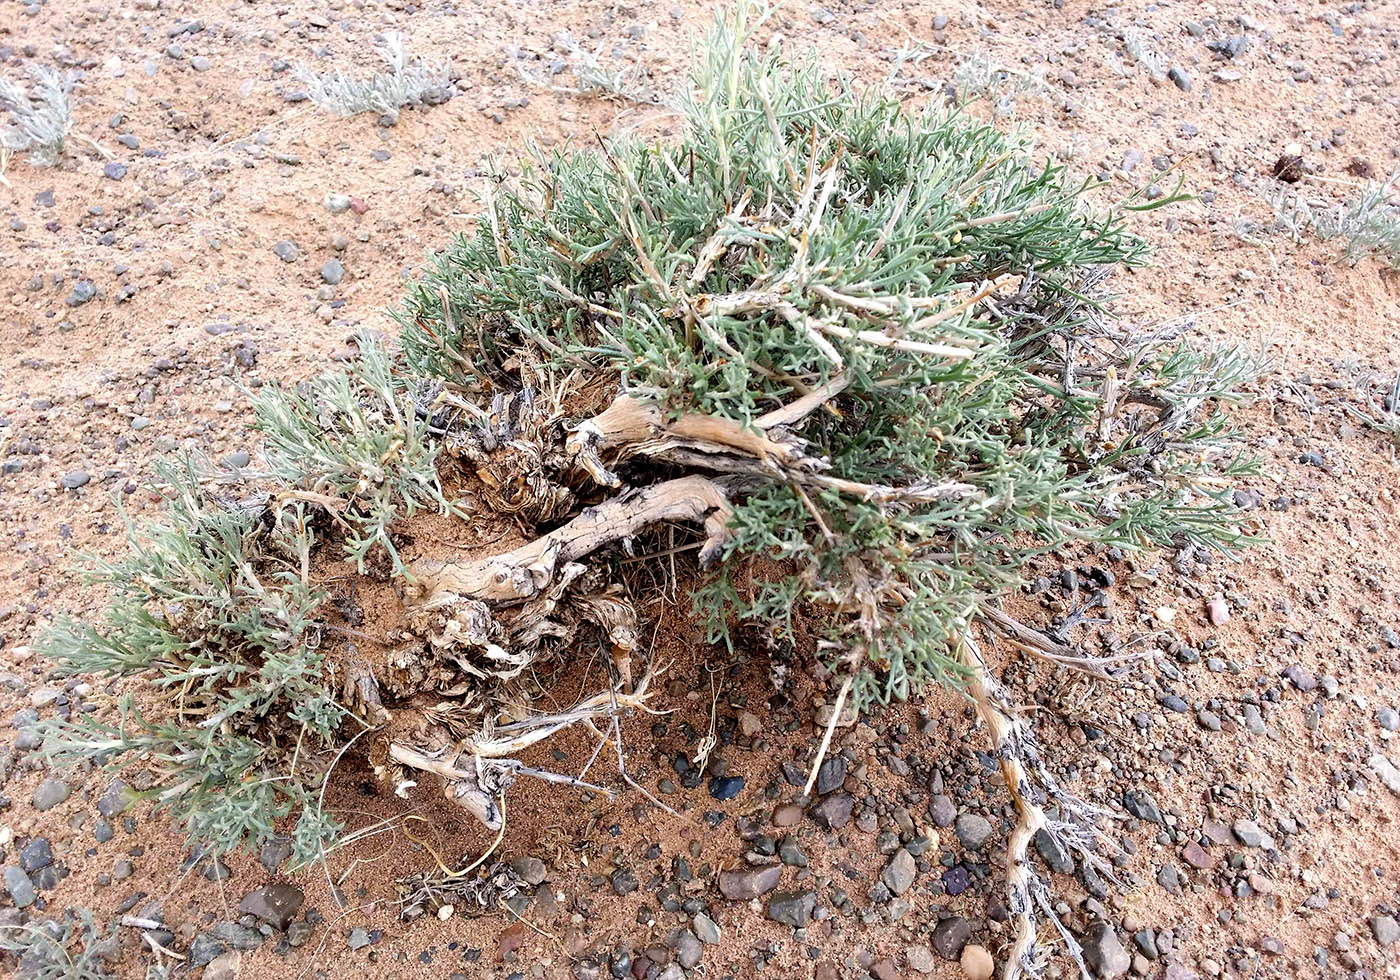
(83, 291)
(941, 810)
(740, 886)
(19, 886)
(332, 271)
(792, 908)
(1103, 953)
(749, 725)
(1218, 611)
(1388, 719)
(1300, 678)
(706, 929)
(275, 904)
(1195, 855)
(831, 775)
(900, 872)
(223, 967)
(50, 793)
(1387, 772)
(950, 937)
(1179, 78)
(787, 816)
(286, 251)
(36, 855)
(114, 170)
(1248, 833)
(834, 811)
(972, 830)
(1385, 929)
(358, 938)
(531, 870)
(1053, 852)
(624, 881)
(726, 787)
(337, 203)
(688, 948)
(976, 963)
(920, 959)
(74, 479)
(298, 933)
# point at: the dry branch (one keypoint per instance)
(523, 573)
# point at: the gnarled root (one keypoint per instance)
(1015, 747)
(476, 772)
(523, 573)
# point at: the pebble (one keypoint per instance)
(83, 291)
(624, 881)
(706, 929)
(920, 959)
(114, 170)
(976, 963)
(223, 967)
(531, 870)
(899, 874)
(1218, 611)
(1388, 719)
(115, 801)
(1387, 772)
(50, 793)
(275, 904)
(726, 787)
(332, 271)
(973, 831)
(687, 947)
(1248, 833)
(787, 816)
(941, 810)
(19, 886)
(1179, 78)
(337, 203)
(950, 937)
(286, 251)
(1385, 929)
(834, 811)
(1103, 953)
(740, 886)
(792, 908)
(1195, 855)
(358, 938)
(75, 479)
(36, 855)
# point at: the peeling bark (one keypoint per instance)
(523, 573)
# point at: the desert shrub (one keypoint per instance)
(38, 118)
(853, 364)
(407, 82)
(1366, 223)
(75, 948)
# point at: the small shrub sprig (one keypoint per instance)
(407, 82)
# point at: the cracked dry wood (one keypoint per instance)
(523, 573)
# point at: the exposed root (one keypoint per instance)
(476, 772)
(1027, 778)
(523, 573)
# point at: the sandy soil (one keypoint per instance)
(211, 167)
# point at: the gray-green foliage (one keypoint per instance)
(40, 117)
(214, 602)
(844, 223)
(800, 235)
(407, 82)
(1367, 222)
(75, 948)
